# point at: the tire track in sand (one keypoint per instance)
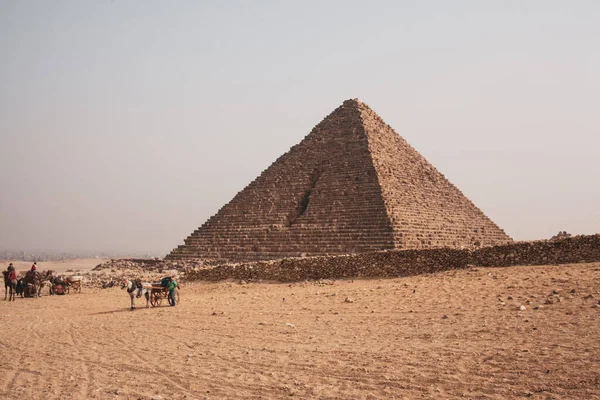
(11, 378)
(169, 377)
(87, 375)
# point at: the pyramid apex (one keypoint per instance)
(353, 101)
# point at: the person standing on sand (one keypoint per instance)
(172, 292)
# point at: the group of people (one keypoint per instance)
(13, 284)
(11, 279)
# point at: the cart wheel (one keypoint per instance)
(155, 299)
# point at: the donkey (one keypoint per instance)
(10, 287)
(137, 289)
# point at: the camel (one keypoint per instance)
(34, 282)
(137, 289)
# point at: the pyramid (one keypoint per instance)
(352, 185)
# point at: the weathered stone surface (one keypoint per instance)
(352, 185)
(397, 263)
(583, 248)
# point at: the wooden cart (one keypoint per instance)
(159, 292)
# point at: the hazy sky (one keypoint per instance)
(124, 125)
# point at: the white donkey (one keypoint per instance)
(135, 289)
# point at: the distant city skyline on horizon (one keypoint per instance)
(33, 255)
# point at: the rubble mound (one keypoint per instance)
(560, 236)
(387, 263)
(395, 263)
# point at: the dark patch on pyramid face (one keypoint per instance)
(304, 201)
(352, 185)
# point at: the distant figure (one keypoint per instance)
(20, 290)
(11, 282)
(34, 268)
(172, 292)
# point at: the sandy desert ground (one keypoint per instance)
(458, 334)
